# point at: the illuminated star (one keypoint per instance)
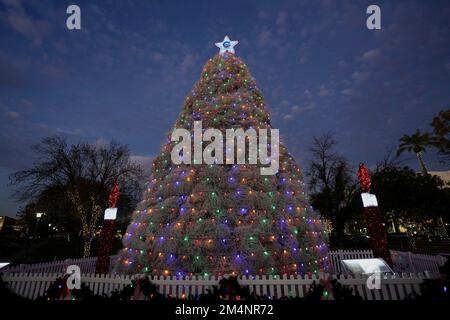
(226, 45)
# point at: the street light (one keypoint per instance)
(38, 216)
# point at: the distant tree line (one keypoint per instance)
(70, 184)
(404, 196)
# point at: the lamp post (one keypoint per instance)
(38, 217)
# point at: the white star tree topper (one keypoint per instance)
(226, 45)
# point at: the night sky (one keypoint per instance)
(126, 73)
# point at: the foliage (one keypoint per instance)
(339, 292)
(439, 139)
(416, 143)
(138, 287)
(70, 184)
(228, 289)
(409, 195)
(334, 192)
(342, 292)
(441, 130)
(6, 293)
(58, 290)
(435, 289)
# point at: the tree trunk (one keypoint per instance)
(87, 238)
(88, 230)
(421, 162)
(87, 247)
(339, 233)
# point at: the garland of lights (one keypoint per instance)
(364, 178)
(224, 219)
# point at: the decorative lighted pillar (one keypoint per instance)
(107, 234)
(375, 226)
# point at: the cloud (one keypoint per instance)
(16, 139)
(304, 54)
(13, 3)
(348, 92)
(281, 19)
(21, 22)
(101, 143)
(26, 103)
(323, 91)
(297, 110)
(360, 77)
(144, 161)
(307, 94)
(262, 15)
(304, 32)
(326, 4)
(304, 59)
(67, 131)
(284, 103)
(11, 74)
(12, 115)
(188, 61)
(157, 57)
(54, 70)
(371, 55)
(300, 110)
(342, 64)
(264, 37)
(96, 9)
(156, 25)
(281, 22)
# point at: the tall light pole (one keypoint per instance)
(38, 217)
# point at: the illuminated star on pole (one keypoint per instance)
(226, 45)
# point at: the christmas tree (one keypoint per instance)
(216, 219)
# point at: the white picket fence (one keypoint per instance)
(87, 265)
(402, 262)
(412, 262)
(393, 287)
(31, 281)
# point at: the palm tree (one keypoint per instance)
(416, 143)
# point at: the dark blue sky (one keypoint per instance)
(126, 73)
